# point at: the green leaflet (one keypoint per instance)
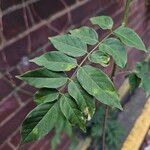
(116, 49)
(99, 57)
(69, 45)
(105, 22)
(130, 38)
(61, 125)
(140, 77)
(55, 61)
(96, 83)
(142, 71)
(134, 81)
(86, 34)
(83, 99)
(71, 112)
(45, 95)
(40, 121)
(43, 78)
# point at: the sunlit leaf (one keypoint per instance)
(105, 22)
(70, 45)
(45, 95)
(43, 78)
(55, 61)
(130, 38)
(40, 121)
(86, 34)
(96, 83)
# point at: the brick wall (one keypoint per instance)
(25, 26)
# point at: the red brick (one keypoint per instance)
(15, 139)
(16, 51)
(3, 64)
(5, 88)
(12, 76)
(89, 8)
(39, 144)
(26, 146)
(7, 107)
(13, 23)
(40, 37)
(61, 23)
(24, 96)
(6, 4)
(45, 8)
(70, 2)
(5, 147)
(29, 88)
(13, 123)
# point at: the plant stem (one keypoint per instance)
(124, 23)
(126, 12)
(85, 58)
(104, 127)
(106, 113)
(89, 55)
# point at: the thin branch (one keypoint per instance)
(124, 23)
(106, 113)
(104, 127)
(126, 12)
(61, 90)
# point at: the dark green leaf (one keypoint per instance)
(134, 81)
(130, 38)
(40, 121)
(71, 112)
(142, 71)
(83, 99)
(116, 49)
(100, 57)
(70, 45)
(55, 61)
(105, 22)
(86, 34)
(61, 125)
(96, 83)
(45, 95)
(43, 78)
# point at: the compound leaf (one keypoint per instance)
(130, 38)
(96, 83)
(43, 78)
(55, 61)
(86, 34)
(105, 22)
(69, 45)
